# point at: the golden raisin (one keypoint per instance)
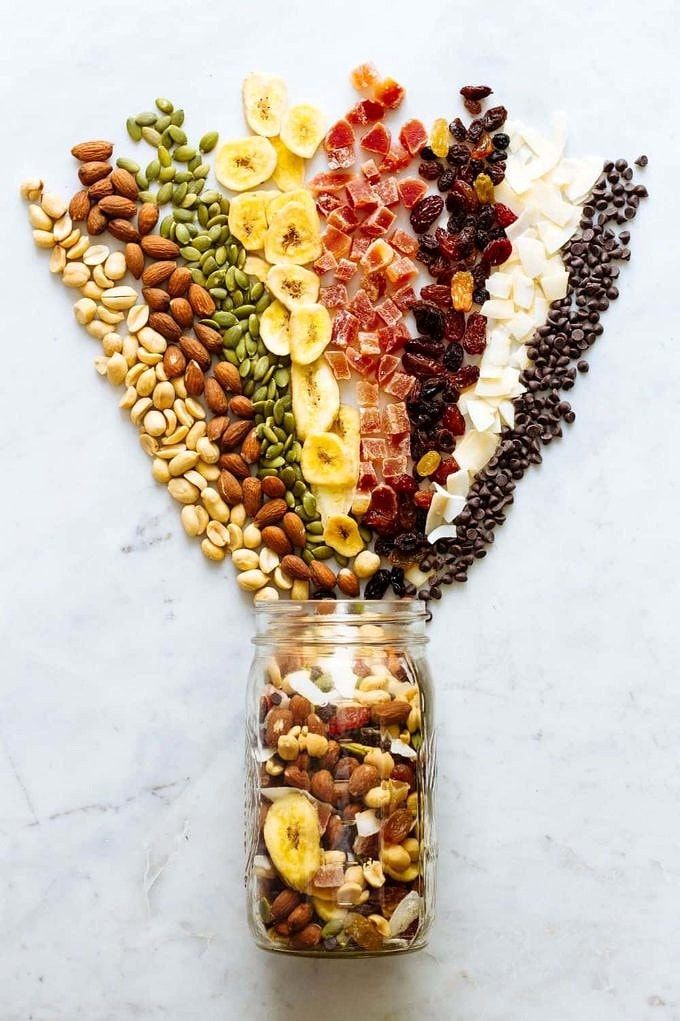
(428, 463)
(462, 286)
(484, 188)
(439, 137)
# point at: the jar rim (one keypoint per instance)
(411, 614)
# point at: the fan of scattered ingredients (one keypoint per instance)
(342, 379)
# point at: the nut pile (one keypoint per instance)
(337, 863)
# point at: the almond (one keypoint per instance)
(182, 312)
(228, 377)
(295, 567)
(194, 349)
(250, 451)
(303, 913)
(165, 325)
(348, 583)
(233, 435)
(322, 785)
(159, 248)
(96, 221)
(201, 301)
(241, 406)
(124, 183)
(118, 206)
(194, 380)
(278, 722)
(307, 937)
(147, 218)
(215, 397)
(274, 538)
(237, 466)
(157, 273)
(216, 427)
(293, 526)
(209, 338)
(283, 904)
(271, 513)
(300, 707)
(322, 575)
(315, 725)
(252, 488)
(229, 487)
(93, 170)
(96, 149)
(123, 230)
(362, 780)
(178, 284)
(395, 711)
(99, 189)
(79, 206)
(134, 259)
(156, 298)
(273, 486)
(174, 361)
(296, 777)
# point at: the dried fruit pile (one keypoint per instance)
(321, 412)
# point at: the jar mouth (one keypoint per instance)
(351, 621)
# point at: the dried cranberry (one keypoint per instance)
(466, 376)
(474, 338)
(384, 501)
(406, 514)
(475, 91)
(397, 581)
(376, 587)
(448, 466)
(453, 356)
(431, 170)
(504, 215)
(501, 140)
(348, 717)
(458, 129)
(425, 212)
(423, 498)
(497, 252)
(380, 523)
(437, 293)
(453, 420)
(419, 365)
(404, 484)
(494, 117)
(454, 326)
(429, 319)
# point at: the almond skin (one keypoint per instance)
(79, 206)
(252, 488)
(395, 711)
(96, 221)
(159, 248)
(293, 526)
(229, 488)
(296, 777)
(228, 377)
(201, 300)
(274, 538)
(250, 451)
(238, 467)
(124, 183)
(284, 903)
(118, 206)
(147, 218)
(93, 170)
(271, 513)
(272, 486)
(194, 380)
(134, 259)
(348, 583)
(194, 349)
(233, 435)
(300, 916)
(95, 150)
(322, 785)
(123, 230)
(157, 272)
(209, 338)
(165, 325)
(322, 575)
(361, 781)
(178, 284)
(181, 311)
(215, 397)
(174, 361)
(241, 406)
(99, 189)
(295, 567)
(278, 722)
(156, 298)
(216, 427)
(300, 707)
(307, 937)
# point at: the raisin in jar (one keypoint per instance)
(340, 842)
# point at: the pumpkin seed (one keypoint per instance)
(179, 193)
(141, 179)
(230, 356)
(190, 253)
(309, 503)
(288, 477)
(126, 164)
(177, 118)
(290, 499)
(254, 325)
(178, 136)
(314, 528)
(184, 153)
(365, 533)
(147, 196)
(322, 552)
(166, 223)
(243, 311)
(182, 235)
(146, 119)
(164, 193)
(262, 304)
(244, 369)
(282, 377)
(162, 124)
(202, 171)
(153, 170)
(134, 131)
(208, 141)
(166, 174)
(164, 105)
(248, 387)
(151, 136)
(184, 216)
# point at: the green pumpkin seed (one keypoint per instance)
(244, 368)
(141, 179)
(251, 347)
(189, 201)
(290, 500)
(184, 153)
(248, 387)
(162, 124)
(274, 451)
(164, 193)
(164, 157)
(151, 136)
(202, 171)
(282, 377)
(134, 131)
(254, 325)
(242, 279)
(230, 356)
(299, 488)
(314, 528)
(126, 164)
(244, 311)
(178, 117)
(164, 105)
(190, 253)
(256, 291)
(288, 477)
(153, 170)
(166, 174)
(309, 503)
(323, 552)
(262, 304)
(240, 262)
(233, 254)
(178, 193)
(184, 216)
(178, 136)
(166, 140)
(365, 533)
(197, 276)
(147, 196)
(208, 141)
(307, 556)
(166, 223)
(342, 561)
(182, 235)
(295, 453)
(183, 177)
(194, 163)
(146, 119)
(289, 422)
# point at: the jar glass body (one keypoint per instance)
(340, 770)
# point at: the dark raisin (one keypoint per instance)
(482, 239)
(497, 172)
(458, 129)
(420, 365)
(496, 157)
(458, 155)
(408, 542)
(494, 117)
(437, 293)
(446, 441)
(474, 339)
(497, 251)
(475, 130)
(397, 581)
(429, 243)
(480, 295)
(383, 545)
(430, 171)
(425, 212)
(466, 376)
(377, 586)
(454, 325)
(446, 179)
(453, 356)
(425, 346)
(476, 167)
(323, 594)
(486, 217)
(501, 140)
(426, 153)
(429, 319)
(472, 106)
(475, 91)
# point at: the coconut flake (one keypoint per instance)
(442, 532)
(367, 823)
(301, 682)
(265, 754)
(399, 747)
(405, 913)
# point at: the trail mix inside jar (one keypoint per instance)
(339, 862)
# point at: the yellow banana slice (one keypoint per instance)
(310, 332)
(300, 195)
(290, 168)
(275, 329)
(293, 285)
(264, 100)
(293, 234)
(248, 219)
(244, 163)
(292, 835)
(256, 267)
(341, 533)
(302, 128)
(316, 397)
(324, 461)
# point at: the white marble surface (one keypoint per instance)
(124, 653)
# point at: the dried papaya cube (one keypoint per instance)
(371, 421)
(339, 159)
(377, 139)
(396, 159)
(334, 296)
(378, 223)
(326, 202)
(345, 270)
(337, 242)
(400, 444)
(373, 448)
(361, 194)
(394, 466)
(340, 135)
(374, 286)
(413, 136)
(396, 419)
(364, 76)
(388, 92)
(389, 338)
(345, 328)
(378, 255)
(439, 137)
(366, 111)
(386, 190)
(338, 363)
(402, 330)
(344, 218)
(367, 476)
(367, 394)
(325, 263)
(369, 344)
(411, 190)
(387, 367)
(389, 312)
(401, 270)
(364, 365)
(362, 308)
(400, 385)
(403, 242)
(359, 246)
(329, 181)
(370, 171)
(405, 298)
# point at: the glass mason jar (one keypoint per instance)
(340, 766)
